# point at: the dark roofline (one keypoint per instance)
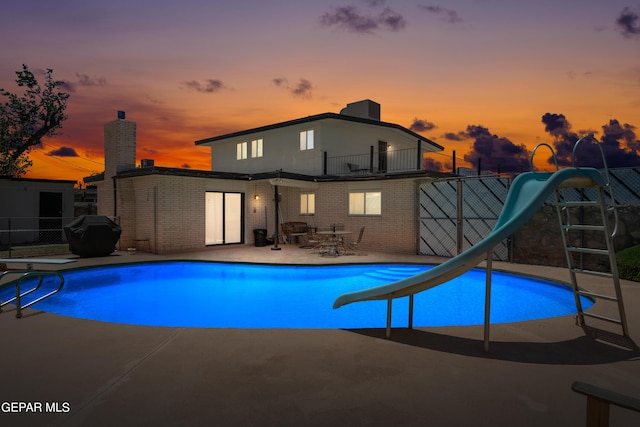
(213, 174)
(94, 178)
(156, 170)
(314, 118)
(54, 181)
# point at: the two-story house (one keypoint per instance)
(356, 140)
(349, 168)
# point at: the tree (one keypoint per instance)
(25, 120)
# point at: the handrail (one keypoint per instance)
(613, 206)
(598, 401)
(19, 295)
(533, 152)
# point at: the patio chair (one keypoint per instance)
(352, 246)
(317, 242)
(353, 168)
(293, 230)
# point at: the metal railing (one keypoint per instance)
(404, 160)
(27, 274)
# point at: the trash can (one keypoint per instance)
(260, 237)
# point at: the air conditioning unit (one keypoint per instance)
(146, 163)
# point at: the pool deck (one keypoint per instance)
(102, 374)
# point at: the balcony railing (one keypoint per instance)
(405, 160)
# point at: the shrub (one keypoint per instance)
(629, 263)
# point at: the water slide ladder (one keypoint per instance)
(578, 236)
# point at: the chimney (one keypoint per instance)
(366, 109)
(119, 146)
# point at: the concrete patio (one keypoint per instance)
(102, 374)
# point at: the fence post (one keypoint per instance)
(371, 159)
(459, 220)
(453, 169)
(9, 237)
(324, 162)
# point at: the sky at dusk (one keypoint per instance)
(476, 76)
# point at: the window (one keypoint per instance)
(241, 150)
(306, 140)
(307, 204)
(256, 148)
(365, 203)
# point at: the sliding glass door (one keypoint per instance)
(224, 218)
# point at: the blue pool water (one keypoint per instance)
(222, 295)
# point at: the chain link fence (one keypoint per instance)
(457, 213)
(34, 236)
(29, 235)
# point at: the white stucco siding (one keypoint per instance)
(281, 146)
(281, 150)
(346, 138)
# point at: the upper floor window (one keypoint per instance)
(241, 150)
(256, 148)
(306, 140)
(365, 203)
(307, 204)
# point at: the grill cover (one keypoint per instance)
(92, 235)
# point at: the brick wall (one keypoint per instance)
(393, 231)
(166, 210)
(180, 207)
(169, 211)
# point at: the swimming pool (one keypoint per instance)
(233, 295)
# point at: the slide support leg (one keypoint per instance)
(389, 317)
(411, 311)
(487, 300)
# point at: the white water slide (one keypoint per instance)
(527, 194)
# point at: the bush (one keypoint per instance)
(629, 263)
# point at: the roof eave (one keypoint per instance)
(318, 117)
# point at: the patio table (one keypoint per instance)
(332, 243)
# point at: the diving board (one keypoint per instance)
(527, 194)
(31, 261)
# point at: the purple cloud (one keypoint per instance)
(351, 19)
(209, 86)
(495, 153)
(419, 125)
(432, 165)
(63, 152)
(448, 15)
(629, 23)
(85, 80)
(619, 143)
(301, 90)
(457, 136)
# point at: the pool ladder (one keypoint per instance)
(574, 226)
(24, 275)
